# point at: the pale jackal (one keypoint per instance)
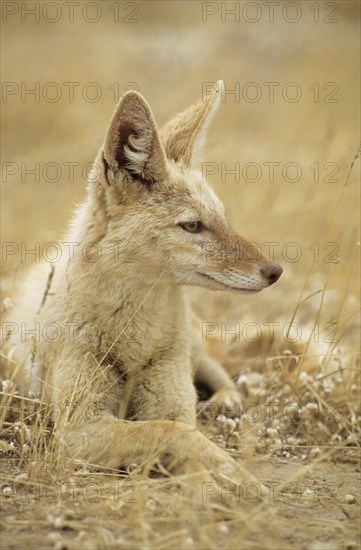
(113, 350)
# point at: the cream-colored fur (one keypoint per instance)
(119, 368)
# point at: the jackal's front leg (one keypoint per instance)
(209, 372)
(166, 392)
(163, 430)
(226, 398)
(108, 442)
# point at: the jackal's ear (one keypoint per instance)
(184, 136)
(132, 141)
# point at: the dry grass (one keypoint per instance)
(301, 412)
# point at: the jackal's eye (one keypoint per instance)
(192, 227)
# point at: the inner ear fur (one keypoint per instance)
(132, 140)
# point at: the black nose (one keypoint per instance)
(272, 272)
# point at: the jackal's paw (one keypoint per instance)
(223, 487)
(211, 475)
(198, 485)
(228, 402)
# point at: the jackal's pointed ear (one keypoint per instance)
(184, 136)
(132, 141)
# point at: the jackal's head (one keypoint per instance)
(160, 209)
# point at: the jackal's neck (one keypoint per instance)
(111, 278)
